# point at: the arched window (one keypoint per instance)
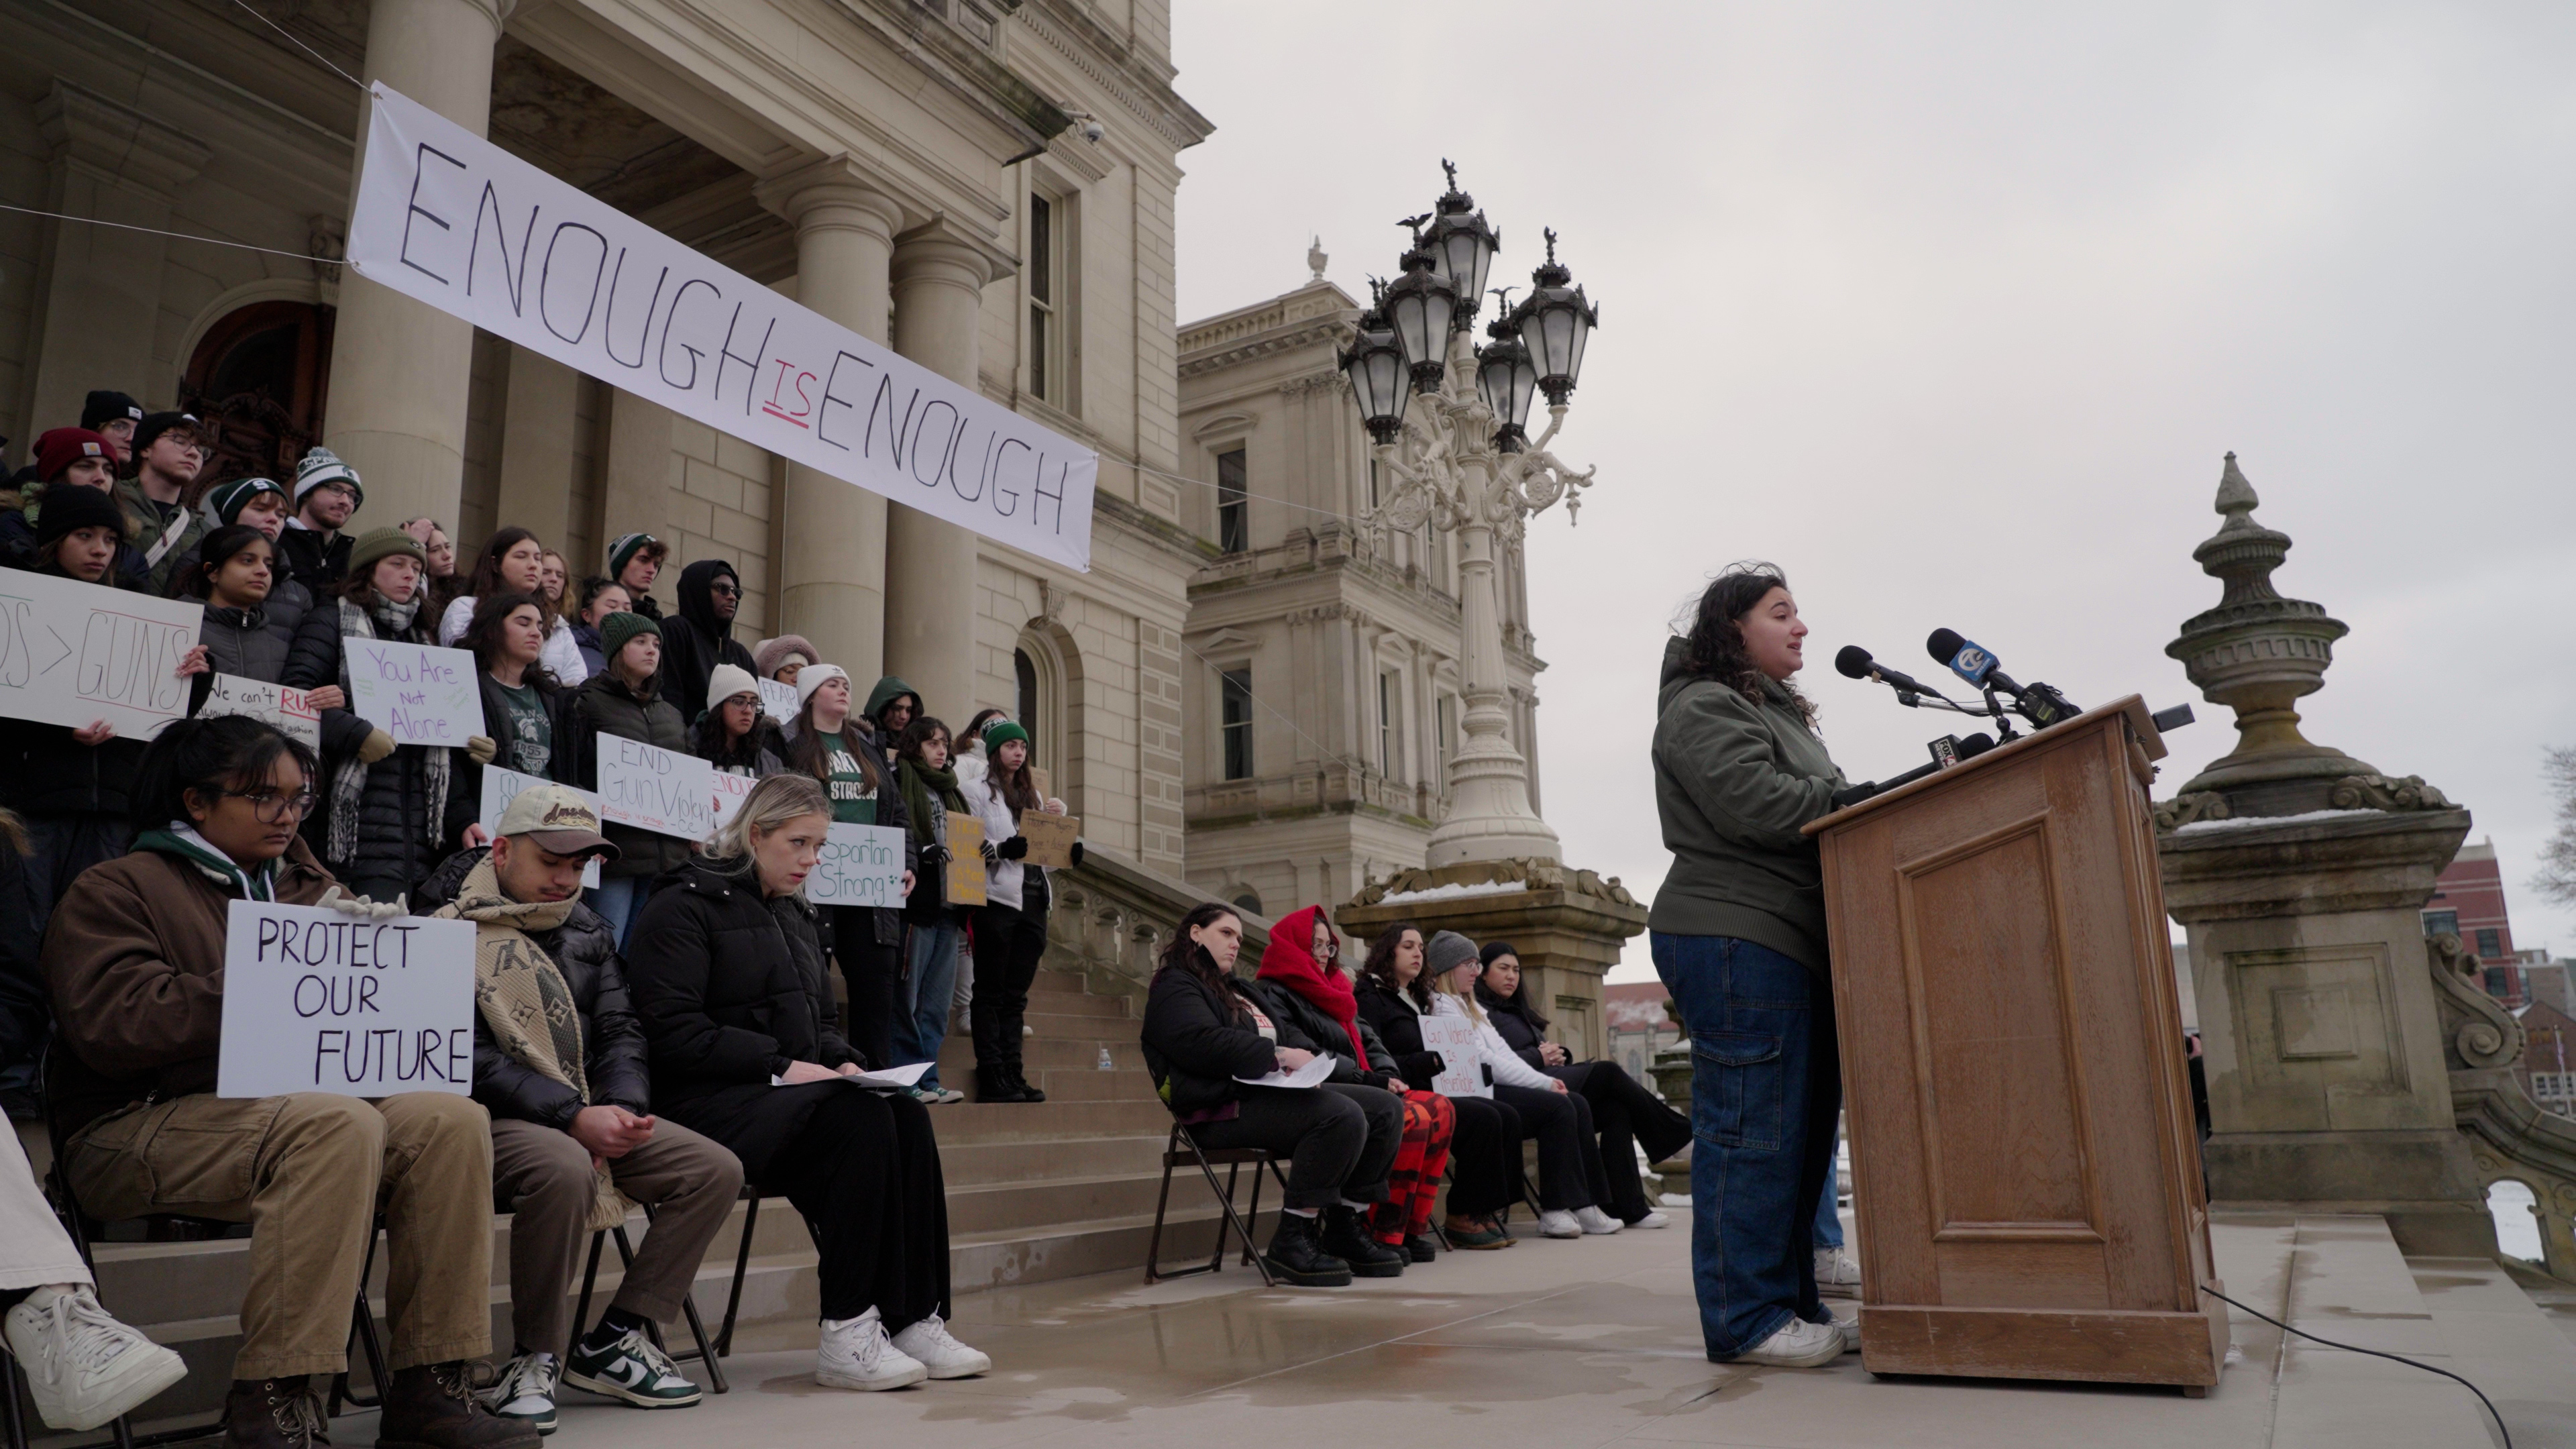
(1024, 671)
(257, 379)
(1248, 900)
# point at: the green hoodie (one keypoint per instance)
(1734, 781)
(888, 690)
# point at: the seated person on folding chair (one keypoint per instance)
(134, 957)
(1203, 1029)
(559, 1062)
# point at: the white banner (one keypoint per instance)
(73, 653)
(456, 222)
(419, 694)
(500, 786)
(655, 789)
(861, 865)
(315, 1001)
(288, 709)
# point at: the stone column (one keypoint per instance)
(102, 290)
(400, 369)
(833, 535)
(930, 564)
(635, 483)
(537, 445)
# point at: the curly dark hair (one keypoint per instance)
(1713, 644)
(1380, 966)
(483, 639)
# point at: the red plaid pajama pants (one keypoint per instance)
(1420, 1160)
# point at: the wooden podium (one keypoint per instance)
(2027, 1171)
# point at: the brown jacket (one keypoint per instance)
(134, 957)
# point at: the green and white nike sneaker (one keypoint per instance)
(632, 1370)
(525, 1392)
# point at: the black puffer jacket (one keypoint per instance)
(402, 832)
(584, 949)
(1286, 1007)
(694, 643)
(465, 797)
(1513, 1020)
(604, 705)
(240, 641)
(731, 989)
(1400, 1026)
(317, 565)
(1197, 1042)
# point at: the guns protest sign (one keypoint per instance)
(74, 654)
(731, 790)
(1454, 1038)
(655, 789)
(965, 860)
(285, 708)
(500, 786)
(861, 865)
(418, 694)
(315, 1001)
(453, 221)
(1050, 838)
(778, 701)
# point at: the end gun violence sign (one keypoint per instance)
(453, 221)
(73, 654)
(316, 1001)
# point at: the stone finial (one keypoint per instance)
(1315, 259)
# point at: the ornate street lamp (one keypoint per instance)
(1555, 322)
(1462, 248)
(1374, 365)
(1505, 378)
(1419, 305)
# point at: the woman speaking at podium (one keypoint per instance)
(1738, 933)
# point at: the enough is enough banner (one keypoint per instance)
(451, 220)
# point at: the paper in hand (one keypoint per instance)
(890, 1077)
(1310, 1075)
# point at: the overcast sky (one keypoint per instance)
(1952, 311)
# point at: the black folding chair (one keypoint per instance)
(704, 1353)
(1233, 1160)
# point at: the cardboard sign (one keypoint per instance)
(862, 865)
(315, 1001)
(74, 653)
(1050, 838)
(499, 785)
(418, 694)
(1454, 1037)
(655, 789)
(965, 860)
(275, 703)
(778, 701)
(1044, 782)
(731, 790)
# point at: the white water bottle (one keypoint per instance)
(1106, 1065)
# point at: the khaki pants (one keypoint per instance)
(543, 1177)
(308, 1172)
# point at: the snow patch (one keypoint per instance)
(2245, 822)
(1454, 892)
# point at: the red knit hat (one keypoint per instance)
(62, 447)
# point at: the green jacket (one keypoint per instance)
(1734, 780)
(146, 521)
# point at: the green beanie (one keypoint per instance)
(1001, 732)
(383, 543)
(617, 629)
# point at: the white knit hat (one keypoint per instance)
(813, 676)
(727, 680)
(320, 466)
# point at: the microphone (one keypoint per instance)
(1947, 751)
(1854, 662)
(1973, 662)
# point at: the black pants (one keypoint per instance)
(1625, 1115)
(1484, 1158)
(1339, 1140)
(864, 1172)
(1008, 944)
(874, 975)
(1569, 1161)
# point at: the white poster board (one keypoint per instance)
(731, 790)
(655, 789)
(451, 220)
(74, 653)
(500, 785)
(288, 709)
(419, 694)
(1454, 1037)
(862, 865)
(778, 701)
(315, 1001)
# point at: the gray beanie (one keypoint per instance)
(1447, 952)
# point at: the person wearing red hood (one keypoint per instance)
(1301, 981)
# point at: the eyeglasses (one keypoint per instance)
(336, 486)
(272, 808)
(729, 591)
(1329, 949)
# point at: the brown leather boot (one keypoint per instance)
(432, 1406)
(273, 1414)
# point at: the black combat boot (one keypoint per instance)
(1346, 1237)
(432, 1406)
(1296, 1257)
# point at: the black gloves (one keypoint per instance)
(991, 856)
(1015, 848)
(1076, 853)
(933, 855)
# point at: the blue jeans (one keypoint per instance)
(617, 900)
(1766, 1085)
(928, 990)
(1829, 1214)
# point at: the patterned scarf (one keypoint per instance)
(526, 1002)
(349, 786)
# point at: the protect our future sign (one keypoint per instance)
(316, 1001)
(455, 222)
(75, 654)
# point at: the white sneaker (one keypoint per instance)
(1850, 1328)
(1837, 1273)
(1596, 1222)
(525, 1391)
(1797, 1344)
(83, 1367)
(1654, 1218)
(1559, 1224)
(938, 1351)
(855, 1354)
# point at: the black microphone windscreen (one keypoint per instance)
(1853, 661)
(1975, 745)
(1944, 644)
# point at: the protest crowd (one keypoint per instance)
(656, 1016)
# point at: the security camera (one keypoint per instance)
(1092, 131)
